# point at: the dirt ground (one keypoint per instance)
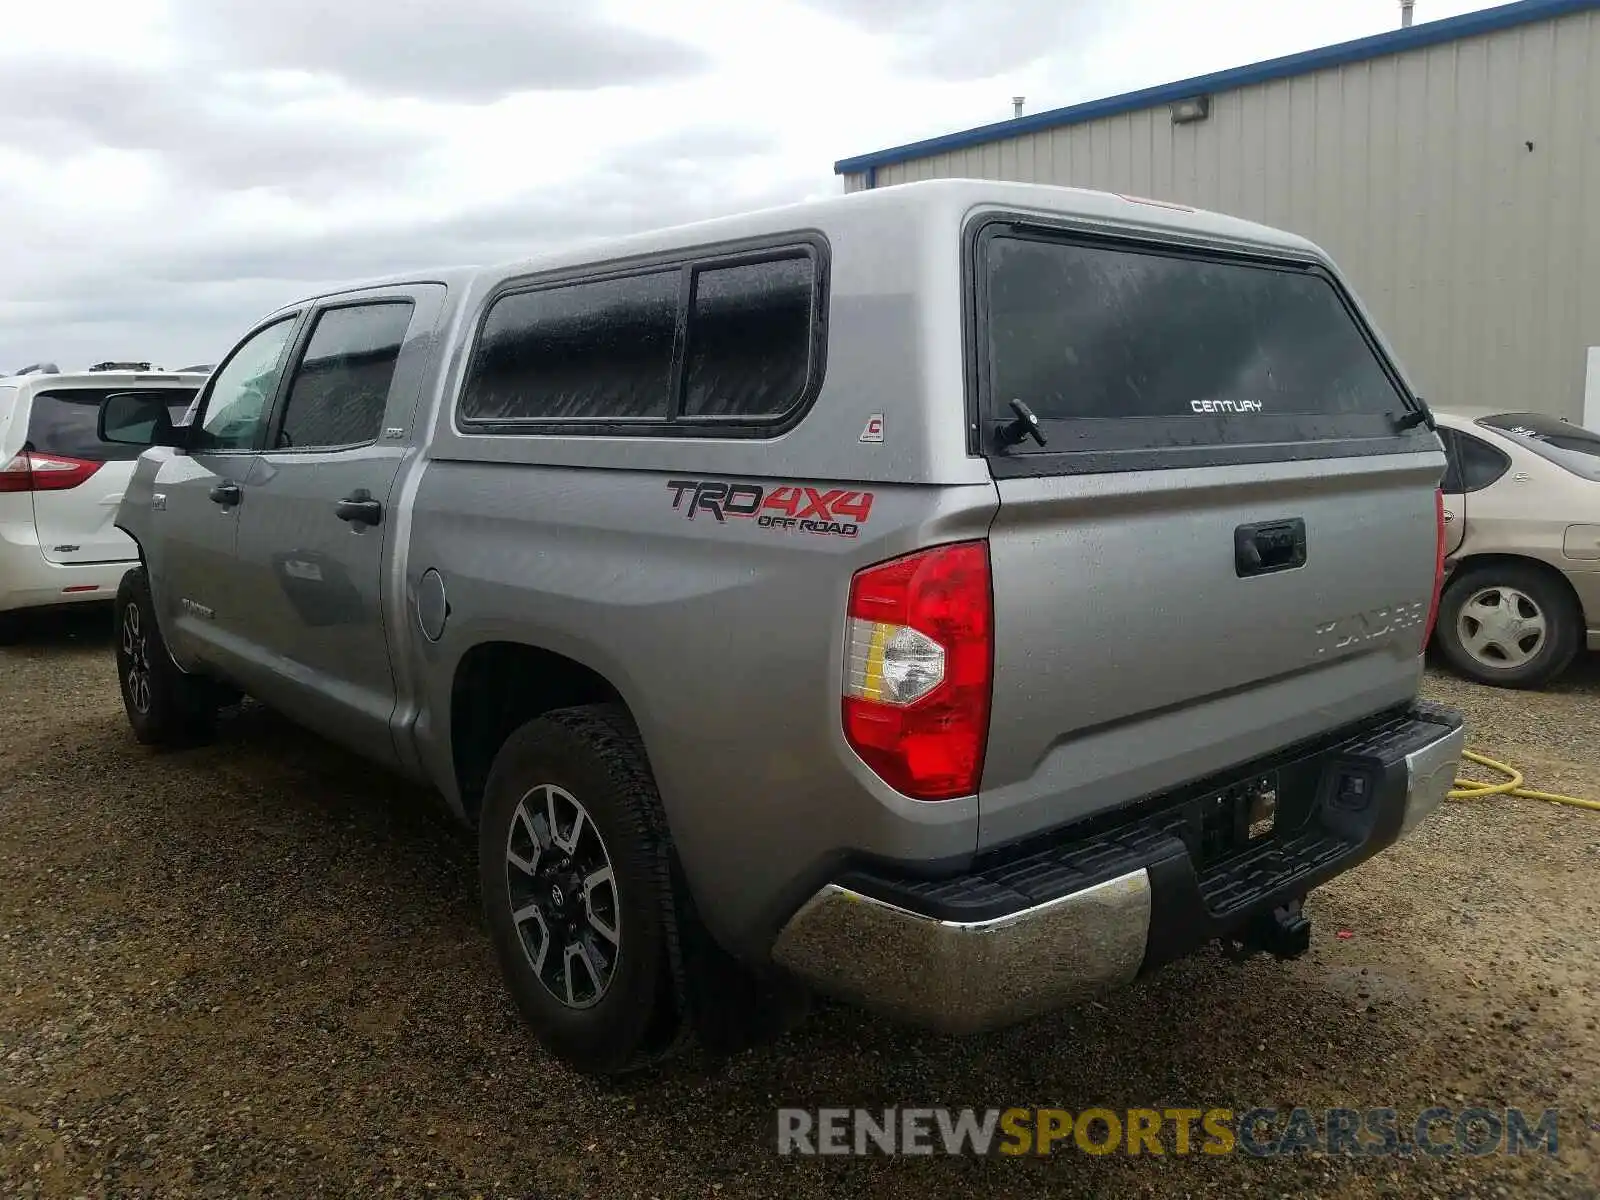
(258, 969)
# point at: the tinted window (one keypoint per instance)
(1450, 485)
(341, 388)
(1568, 445)
(579, 352)
(65, 422)
(749, 339)
(1552, 431)
(1092, 332)
(237, 404)
(1477, 464)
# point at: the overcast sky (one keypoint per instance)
(172, 169)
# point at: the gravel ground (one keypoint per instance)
(258, 969)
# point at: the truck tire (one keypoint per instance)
(575, 870)
(165, 707)
(1508, 625)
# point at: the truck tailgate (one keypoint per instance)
(1138, 648)
(1218, 525)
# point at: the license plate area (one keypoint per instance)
(1234, 819)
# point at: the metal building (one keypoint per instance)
(1452, 168)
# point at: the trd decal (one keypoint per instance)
(794, 508)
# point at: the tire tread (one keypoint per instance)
(184, 708)
(615, 739)
(607, 734)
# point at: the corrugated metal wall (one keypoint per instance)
(1479, 256)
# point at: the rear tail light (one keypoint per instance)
(918, 670)
(31, 471)
(1438, 567)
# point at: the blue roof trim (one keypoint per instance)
(1431, 33)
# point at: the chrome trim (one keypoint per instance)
(1430, 773)
(965, 977)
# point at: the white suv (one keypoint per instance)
(60, 485)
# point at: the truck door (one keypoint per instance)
(315, 522)
(197, 495)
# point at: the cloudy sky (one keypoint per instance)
(172, 169)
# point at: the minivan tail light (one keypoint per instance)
(918, 670)
(31, 471)
(1438, 567)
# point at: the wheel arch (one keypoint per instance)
(1472, 562)
(500, 684)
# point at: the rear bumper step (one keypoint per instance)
(1057, 919)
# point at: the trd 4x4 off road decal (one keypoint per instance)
(838, 512)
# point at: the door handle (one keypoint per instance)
(359, 508)
(226, 493)
(1269, 546)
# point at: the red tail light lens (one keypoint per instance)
(1438, 567)
(918, 670)
(31, 471)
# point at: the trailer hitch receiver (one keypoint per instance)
(1284, 933)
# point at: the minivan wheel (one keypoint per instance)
(573, 860)
(165, 707)
(1507, 625)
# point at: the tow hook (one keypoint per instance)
(1284, 933)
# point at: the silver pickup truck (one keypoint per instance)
(957, 598)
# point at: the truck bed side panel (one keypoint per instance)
(724, 636)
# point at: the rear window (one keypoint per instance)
(1568, 445)
(1139, 348)
(63, 422)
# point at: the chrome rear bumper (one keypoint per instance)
(967, 976)
(1430, 773)
(962, 977)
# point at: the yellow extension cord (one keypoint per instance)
(1511, 785)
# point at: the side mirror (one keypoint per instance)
(138, 419)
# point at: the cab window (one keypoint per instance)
(341, 388)
(241, 393)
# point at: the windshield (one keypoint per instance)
(1563, 443)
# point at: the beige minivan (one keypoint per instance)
(1522, 538)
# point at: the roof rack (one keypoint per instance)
(41, 368)
(121, 366)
